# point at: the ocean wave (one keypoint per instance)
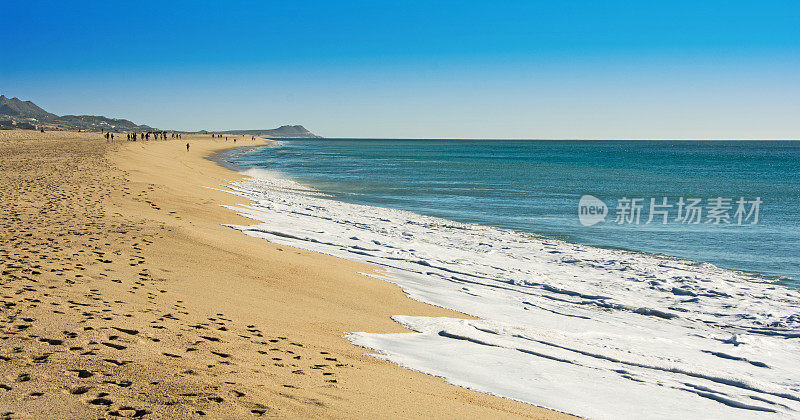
(600, 333)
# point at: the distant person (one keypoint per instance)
(187, 147)
(234, 140)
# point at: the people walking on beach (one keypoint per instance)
(187, 147)
(107, 136)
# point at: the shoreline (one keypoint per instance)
(594, 316)
(783, 280)
(187, 315)
(392, 326)
(406, 182)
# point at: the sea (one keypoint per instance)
(607, 279)
(535, 186)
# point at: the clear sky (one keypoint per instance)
(435, 69)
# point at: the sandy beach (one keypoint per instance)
(124, 295)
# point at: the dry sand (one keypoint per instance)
(123, 295)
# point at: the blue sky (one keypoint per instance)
(460, 69)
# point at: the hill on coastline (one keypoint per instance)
(16, 113)
(284, 131)
(19, 108)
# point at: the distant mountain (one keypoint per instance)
(97, 122)
(284, 131)
(17, 108)
(15, 113)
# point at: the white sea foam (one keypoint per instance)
(594, 332)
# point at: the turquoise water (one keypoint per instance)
(535, 186)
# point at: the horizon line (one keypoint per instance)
(537, 139)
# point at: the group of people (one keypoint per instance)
(219, 136)
(160, 135)
(156, 135)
